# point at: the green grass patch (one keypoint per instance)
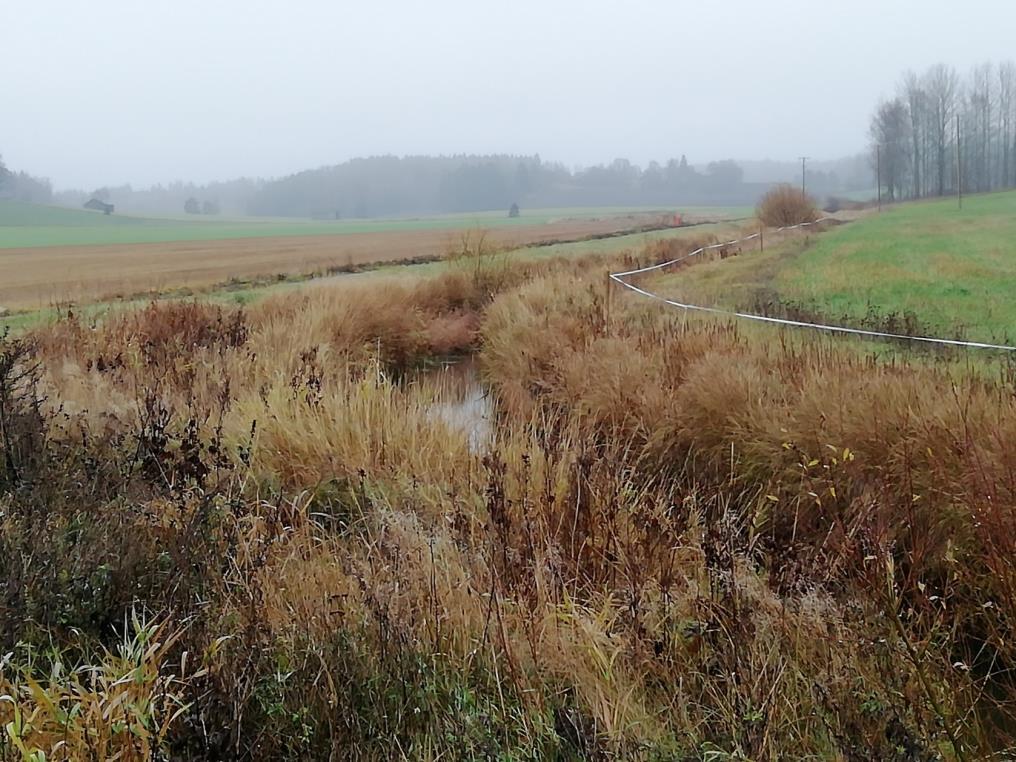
(948, 271)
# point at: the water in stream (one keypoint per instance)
(460, 401)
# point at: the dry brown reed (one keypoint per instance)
(682, 540)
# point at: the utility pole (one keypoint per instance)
(959, 164)
(878, 174)
(804, 172)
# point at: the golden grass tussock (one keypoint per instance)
(306, 436)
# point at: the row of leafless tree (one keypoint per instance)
(942, 131)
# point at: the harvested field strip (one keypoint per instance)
(35, 278)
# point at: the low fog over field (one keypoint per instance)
(122, 92)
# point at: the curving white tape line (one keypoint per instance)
(782, 321)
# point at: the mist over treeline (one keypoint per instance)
(229, 197)
(21, 186)
(391, 185)
(943, 131)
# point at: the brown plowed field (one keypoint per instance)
(43, 277)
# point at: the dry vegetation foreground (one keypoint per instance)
(245, 535)
(41, 277)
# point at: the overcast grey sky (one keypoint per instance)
(146, 91)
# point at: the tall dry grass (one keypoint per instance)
(680, 541)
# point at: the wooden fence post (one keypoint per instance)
(606, 303)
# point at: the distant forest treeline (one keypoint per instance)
(389, 185)
(21, 186)
(941, 127)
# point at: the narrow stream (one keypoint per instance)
(460, 401)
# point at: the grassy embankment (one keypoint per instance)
(243, 533)
(918, 268)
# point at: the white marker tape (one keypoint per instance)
(782, 321)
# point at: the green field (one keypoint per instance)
(30, 225)
(928, 265)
